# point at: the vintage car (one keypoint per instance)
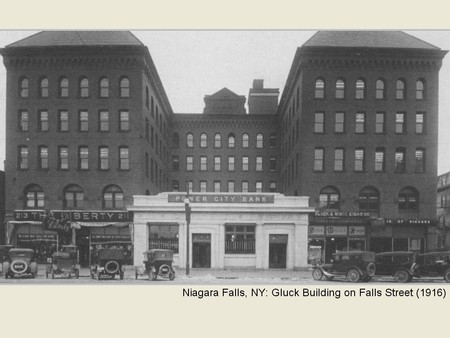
(157, 262)
(20, 262)
(399, 264)
(433, 264)
(355, 265)
(108, 263)
(64, 263)
(4, 255)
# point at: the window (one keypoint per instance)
(104, 87)
(217, 140)
(273, 140)
(369, 199)
(24, 87)
(23, 157)
(244, 186)
(230, 186)
(400, 160)
(239, 239)
(319, 159)
(273, 187)
(339, 122)
(230, 163)
(319, 92)
(408, 199)
(203, 163)
(124, 158)
(124, 117)
(190, 140)
(163, 236)
(43, 157)
(83, 158)
(245, 141)
(73, 197)
(175, 163)
(380, 91)
(103, 116)
(244, 163)
(259, 163)
(43, 120)
(189, 186)
(124, 87)
(175, 186)
(43, 87)
(360, 123)
(258, 186)
(24, 120)
(380, 165)
(420, 123)
(175, 140)
(359, 159)
(112, 197)
(189, 163)
(64, 87)
(217, 163)
(83, 120)
(259, 141)
(329, 198)
(360, 89)
(340, 89)
(203, 186)
(203, 140)
(420, 90)
(420, 160)
(339, 159)
(273, 164)
(380, 123)
(231, 141)
(217, 186)
(400, 123)
(83, 89)
(319, 120)
(103, 158)
(34, 196)
(63, 158)
(400, 90)
(63, 120)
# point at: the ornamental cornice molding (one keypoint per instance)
(224, 123)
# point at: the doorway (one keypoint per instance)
(83, 243)
(201, 250)
(277, 251)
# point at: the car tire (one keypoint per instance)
(447, 275)
(317, 274)
(171, 275)
(112, 267)
(353, 275)
(402, 276)
(371, 269)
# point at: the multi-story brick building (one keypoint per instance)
(443, 211)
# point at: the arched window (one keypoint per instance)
(34, 196)
(24, 87)
(217, 140)
(175, 140)
(329, 198)
(369, 199)
(104, 87)
(408, 199)
(319, 92)
(245, 140)
(360, 89)
(73, 197)
(400, 89)
(420, 90)
(259, 140)
(64, 87)
(190, 140)
(83, 90)
(203, 140)
(231, 141)
(340, 89)
(112, 197)
(380, 93)
(124, 87)
(43, 87)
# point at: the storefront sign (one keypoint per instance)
(338, 221)
(342, 214)
(36, 237)
(93, 216)
(316, 230)
(356, 231)
(411, 221)
(111, 238)
(29, 215)
(278, 239)
(336, 230)
(222, 198)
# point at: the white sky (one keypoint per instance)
(193, 64)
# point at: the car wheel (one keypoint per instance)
(402, 276)
(447, 276)
(317, 274)
(171, 275)
(353, 275)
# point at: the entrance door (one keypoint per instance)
(82, 242)
(201, 250)
(277, 251)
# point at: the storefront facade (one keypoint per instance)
(239, 230)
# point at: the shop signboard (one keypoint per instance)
(316, 230)
(222, 198)
(333, 230)
(29, 215)
(356, 230)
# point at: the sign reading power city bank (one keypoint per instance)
(222, 198)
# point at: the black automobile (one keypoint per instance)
(433, 264)
(108, 263)
(157, 262)
(398, 264)
(355, 265)
(19, 263)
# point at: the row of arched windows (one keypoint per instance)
(217, 141)
(360, 89)
(104, 88)
(73, 197)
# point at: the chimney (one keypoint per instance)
(262, 100)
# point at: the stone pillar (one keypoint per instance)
(260, 249)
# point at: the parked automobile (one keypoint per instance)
(399, 264)
(433, 264)
(20, 262)
(64, 263)
(4, 255)
(157, 262)
(355, 265)
(108, 263)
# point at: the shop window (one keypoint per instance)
(24, 87)
(34, 196)
(73, 197)
(408, 199)
(329, 198)
(112, 197)
(239, 239)
(369, 199)
(163, 236)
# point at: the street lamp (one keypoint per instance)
(188, 221)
